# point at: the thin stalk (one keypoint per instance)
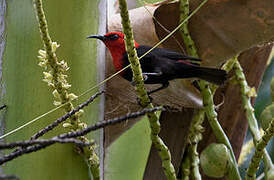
(195, 136)
(207, 95)
(189, 43)
(186, 167)
(216, 127)
(163, 150)
(57, 80)
(249, 112)
(259, 152)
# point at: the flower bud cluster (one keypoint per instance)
(56, 78)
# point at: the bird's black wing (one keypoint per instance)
(165, 53)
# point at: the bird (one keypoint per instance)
(160, 65)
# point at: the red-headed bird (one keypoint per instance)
(160, 65)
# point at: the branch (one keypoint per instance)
(75, 134)
(66, 116)
(23, 144)
(113, 121)
(6, 177)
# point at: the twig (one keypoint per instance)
(6, 177)
(75, 134)
(34, 148)
(66, 116)
(113, 121)
(42, 142)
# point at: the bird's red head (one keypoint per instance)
(114, 41)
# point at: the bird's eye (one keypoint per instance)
(113, 37)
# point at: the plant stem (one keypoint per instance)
(249, 112)
(207, 95)
(259, 152)
(216, 127)
(60, 85)
(195, 136)
(163, 150)
(189, 43)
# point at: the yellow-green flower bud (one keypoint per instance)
(54, 46)
(67, 125)
(215, 160)
(80, 113)
(252, 92)
(41, 58)
(42, 53)
(47, 75)
(82, 125)
(66, 85)
(50, 84)
(42, 64)
(57, 103)
(47, 81)
(72, 96)
(266, 116)
(64, 65)
(56, 95)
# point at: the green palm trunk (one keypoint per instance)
(27, 96)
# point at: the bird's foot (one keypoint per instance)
(133, 83)
(144, 105)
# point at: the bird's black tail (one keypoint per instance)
(216, 76)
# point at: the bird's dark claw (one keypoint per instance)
(133, 83)
(139, 101)
(145, 77)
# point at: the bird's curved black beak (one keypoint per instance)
(102, 38)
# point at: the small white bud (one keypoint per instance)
(56, 103)
(50, 84)
(47, 75)
(54, 46)
(43, 53)
(72, 96)
(82, 125)
(42, 64)
(67, 125)
(80, 113)
(66, 85)
(41, 58)
(56, 94)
